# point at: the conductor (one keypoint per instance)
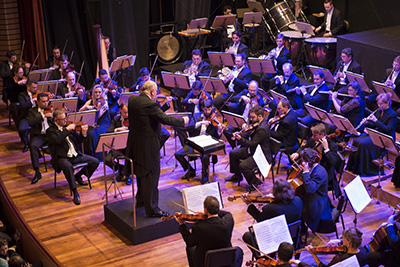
(143, 146)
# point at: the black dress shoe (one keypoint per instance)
(190, 174)
(234, 178)
(79, 180)
(77, 199)
(36, 178)
(160, 214)
(25, 148)
(129, 180)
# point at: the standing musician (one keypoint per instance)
(314, 98)
(289, 81)
(5, 71)
(72, 89)
(333, 21)
(61, 72)
(110, 91)
(328, 149)
(119, 123)
(280, 55)
(259, 136)
(54, 61)
(144, 77)
(212, 233)
(27, 100)
(145, 118)
(285, 202)
(236, 80)
(65, 152)
(346, 64)
(194, 101)
(383, 120)
(316, 202)
(39, 119)
(200, 124)
(237, 47)
(285, 128)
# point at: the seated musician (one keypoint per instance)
(144, 77)
(200, 124)
(194, 101)
(237, 47)
(110, 88)
(65, 152)
(100, 104)
(328, 149)
(280, 55)
(72, 89)
(383, 120)
(39, 120)
(213, 233)
(119, 123)
(346, 64)
(54, 61)
(333, 24)
(27, 100)
(289, 81)
(110, 51)
(314, 97)
(5, 70)
(241, 159)
(316, 202)
(236, 80)
(285, 202)
(389, 256)
(284, 127)
(61, 72)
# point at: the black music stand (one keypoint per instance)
(359, 79)
(124, 97)
(213, 85)
(233, 119)
(343, 124)
(198, 24)
(40, 75)
(221, 59)
(277, 96)
(262, 66)
(253, 19)
(114, 142)
(304, 27)
(120, 63)
(319, 114)
(220, 23)
(48, 86)
(88, 117)
(383, 88)
(328, 74)
(264, 94)
(68, 104)
(175, 81)
(257, 7)
(387, 143)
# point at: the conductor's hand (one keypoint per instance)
(294, 156)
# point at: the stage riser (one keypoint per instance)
(392, 194)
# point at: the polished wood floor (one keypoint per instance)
(78, 235)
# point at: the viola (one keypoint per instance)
(262, 262)
(187, 217)
(323, 250)
(67, 70)
(256, 199)
(276, 119)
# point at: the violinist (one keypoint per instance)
(39, 119)
(351, 239)
(119, 123)
(54, 61)
(200, 124)
(285, 203)
(72, 89)
(110, 89)
(241, 159)
(144, 77)
(194, 101)
(213, 233)
(328, 149)
(64, 143)
(5, 71)
(61, 72)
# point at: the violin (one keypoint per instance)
(40, 92)
(262, 262)
(215, 119)
(328, 137)
(249, 128)
(276, 119)
(48, 110)
(125, 123)
(109, 84)
(78, 125)
(323, 250)
(67, 70)
(187, 217)
(256, 199)
(77, 86)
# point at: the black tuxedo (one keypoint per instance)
(25, 104)
(396, 82)
(6, 75)
(353, 67)
(144, 145)
(315, 99)
(287, 132)
(295, 100)
(56, 75)
(213, 233)
(63, 89)
(337, 23)
(239, 106)
(190, 107)
(281, 59)
(242, 49)
(204, 69)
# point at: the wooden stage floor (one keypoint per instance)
(78, 235)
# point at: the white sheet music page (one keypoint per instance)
(271, 233)
(357, 194)
(203, 140)
(193, 197)
(349, 262)
(261, 161)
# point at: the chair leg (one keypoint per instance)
(279, 162)
(55, 179)
(87, 175)
(44, 160)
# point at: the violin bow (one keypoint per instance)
(320, 237)
(80, 72)
(258, 190)
(262, 253)
(22, 51)
(176, 203)
(33, 64)
(72, 54)
(154, 64)
(65, 46)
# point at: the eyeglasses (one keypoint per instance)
(63, 119)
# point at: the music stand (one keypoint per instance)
(264, 94)
(122, 62)
(387, 143)
(262, 66)
(49, 86)
(221, 59)
(223, 21)
(40, 75)
(277, 96)
(114, 142)
(124, 97)
(255, 6)
(175, 81)
(351, 76)
(233, 119)
(304, 27)
(252, 19)
(319, 114)
(343, 124)
(328, 75)
(88, 117)
(213, 85)
(357, 196)
(198, 24)
(68, 104)
(383, 88)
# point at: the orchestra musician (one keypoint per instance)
(328, 149)
(61, 72)
(285, 202)
(289, 81)
(64, 142)
(237, 47)
(236, 80)
(200, 124)
(346, 64)
(119, 123)
(241, 159)
(314, 98)
(333, 24)
(144, 145)
(5, 71)
(27, 100)
(144, 77)
(383, 120)
(110, 51)
(39, 119)
(194, 101)
(280, 55)
(54, 61)
(110, 90)
(72, 89)
(213, 233)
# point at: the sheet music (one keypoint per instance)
(193, 197)
(203, 140)
(357, 195)
(261, 161)
(349, 262)
(271, 233)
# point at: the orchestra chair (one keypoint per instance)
(339, 168)
(75, 167)
(327, 227)
(194, 155)
(224, 257)
(294, 229)
(43, 151)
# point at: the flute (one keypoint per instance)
(330, 93)
(294, 89)
(365, 119)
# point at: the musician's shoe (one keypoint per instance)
(26, 147)
(204, 178)
(37, 177)
(77, 199)
(79, 180)
(234, 178)
(128, 180)
(190, 174)
(160, 214)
